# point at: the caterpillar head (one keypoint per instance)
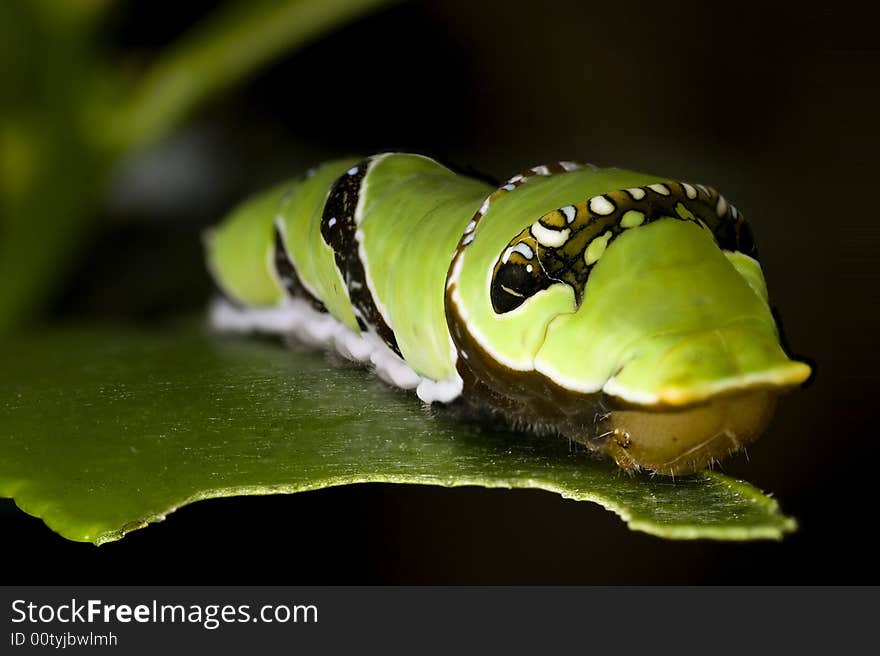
(644, 306)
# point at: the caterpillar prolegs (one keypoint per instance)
(621, 310)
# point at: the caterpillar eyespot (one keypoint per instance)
(624, 311)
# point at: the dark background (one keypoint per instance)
(775, 104)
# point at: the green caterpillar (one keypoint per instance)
(622, 310)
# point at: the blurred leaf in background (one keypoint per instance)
(70, 110)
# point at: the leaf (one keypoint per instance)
(230, 45)
(70, 116)
(104, 431)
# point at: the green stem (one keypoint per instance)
(228, 47)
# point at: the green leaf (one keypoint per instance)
(103, 431)
(69, 117)
(231, 44)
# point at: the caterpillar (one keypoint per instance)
(624, 311)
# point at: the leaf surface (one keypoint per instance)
(104, 430)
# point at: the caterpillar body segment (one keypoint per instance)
(625, 311)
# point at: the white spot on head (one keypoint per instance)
(569, 211)
(637, 193)
(549, 238)
(660, 188)
(352, 171)
(601, 205)
(331, 222)
(529, 268)
(689, 190)
(524, 249)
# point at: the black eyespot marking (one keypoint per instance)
(514, 282)
(532, 261)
